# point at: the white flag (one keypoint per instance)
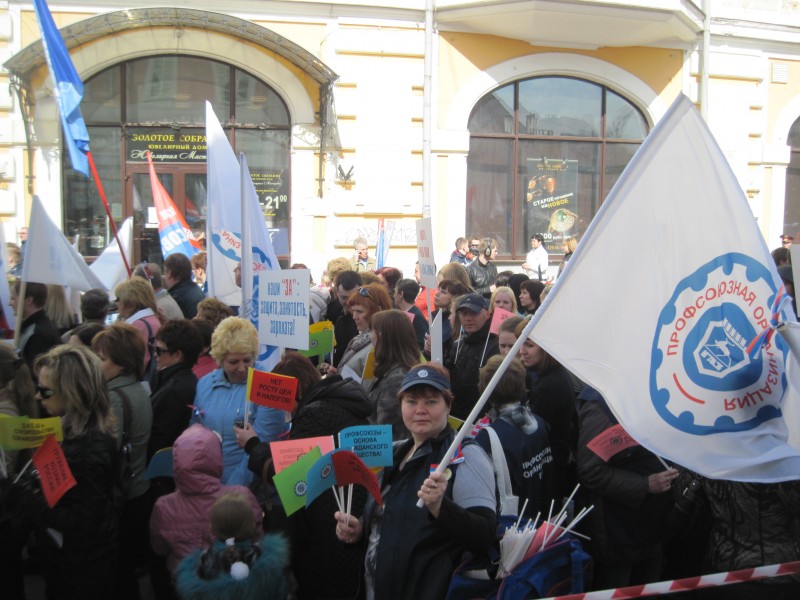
(109, 266)
(229, 188)
(50, 258)
(657, 307)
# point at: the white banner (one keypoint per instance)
(658, 305)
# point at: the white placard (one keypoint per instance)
(427, 265)
(283, 308)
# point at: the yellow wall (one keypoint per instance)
(462, 55)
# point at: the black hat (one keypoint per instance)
(786, 237)
(474, 302)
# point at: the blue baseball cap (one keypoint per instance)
(423, 375)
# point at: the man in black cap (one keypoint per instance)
(786, 240)
(467, 355)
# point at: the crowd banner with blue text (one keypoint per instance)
(68, 89)
(174, 233)
(50, 258)
(224, 216)
(683, 348)
(283, 308)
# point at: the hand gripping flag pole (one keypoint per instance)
(469, 422)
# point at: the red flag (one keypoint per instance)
(349, 468)
(53, 470)
(269, 389)
(612, 441)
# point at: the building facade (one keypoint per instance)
(535, 109)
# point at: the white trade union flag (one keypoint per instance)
(657, 307)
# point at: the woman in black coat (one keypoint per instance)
(178, 344)
(77, 537)
(551, 397)
(323, 566)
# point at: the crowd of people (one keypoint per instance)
(170, 372)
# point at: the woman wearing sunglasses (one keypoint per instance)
(367, 301)
(77, 537)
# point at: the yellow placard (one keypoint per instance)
(369, 366)
(21, 432)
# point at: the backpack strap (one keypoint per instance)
(509, 503)
(127, 416)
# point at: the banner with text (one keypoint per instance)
(371, 443)
(283, 308)
(271, 390)
(17, 433)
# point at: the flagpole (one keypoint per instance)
(108, 211)
(476, 410)
(20, 305)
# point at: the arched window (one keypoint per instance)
(157, 104)
(544, 153)
(791, 207)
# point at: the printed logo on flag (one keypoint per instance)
(702, 379)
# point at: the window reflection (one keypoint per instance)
(549, 173)
(163, 111)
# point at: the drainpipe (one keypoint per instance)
(704, 52)
(426, 111)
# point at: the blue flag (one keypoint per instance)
(68, 89)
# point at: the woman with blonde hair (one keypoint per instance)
(220, 402)
(503, 297)
(83, 564)
(456, 272)
(58, 309)
(136, 302)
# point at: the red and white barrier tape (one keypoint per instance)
(690, 583)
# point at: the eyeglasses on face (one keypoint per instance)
(44, 392)
(160, 350)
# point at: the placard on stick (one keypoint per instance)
(289, 452)
(21, 432)
(283, 308)
(271, 390)
(54, 472)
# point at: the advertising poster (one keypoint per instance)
(551, 201)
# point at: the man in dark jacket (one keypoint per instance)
(344, 329)
(38, 332)
(178, 277)
(482, 271)
(466, 356)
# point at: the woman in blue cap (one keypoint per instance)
(411, 552)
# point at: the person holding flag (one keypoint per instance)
(412, 552)
(76, 532)
(322, 567)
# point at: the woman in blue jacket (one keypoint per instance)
(220, 402)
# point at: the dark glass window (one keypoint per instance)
(157, 104)
(544, 154)
(791, 210)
